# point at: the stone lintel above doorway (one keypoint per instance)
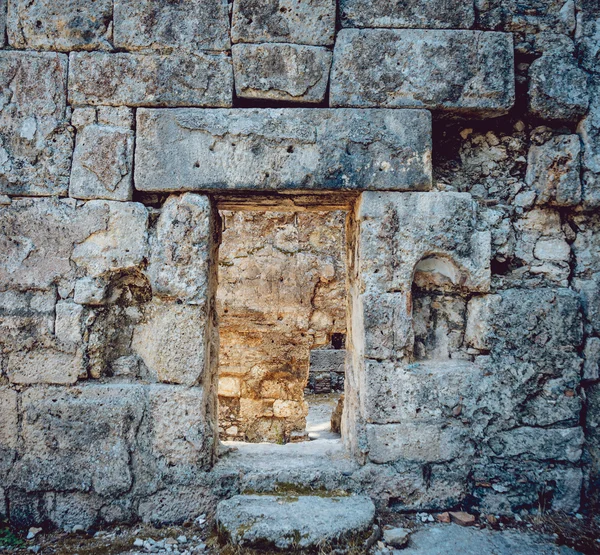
(283, 149)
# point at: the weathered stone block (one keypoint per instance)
(528, 20)
(150, 80)
(103, 160)
(449, 249)
(557, 88)
(147, 25)
(478, 332)
(230, 386)
(419, 442)
(282, 72)
(554, 171)
(589, 45)
(45, 365)
(121, 244)
(68, 323)
(327, 360)
(463, 72)
(178, 432)
(36, 143)
(37, 238)
(592, 423)
(591, 353)
(309, 22)
(79, 439)
(3, 8)
(179, 150)
(181, 249)
(9, 430)
(63, 25)
(172, 341)
(387, 321)
(589, 291)
(539, 444)
(426, 391)
(436, 14)
(589, 131)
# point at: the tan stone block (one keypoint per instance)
(9, 423)
(229, 387)
(290, 409)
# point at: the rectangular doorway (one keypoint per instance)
(282, 310)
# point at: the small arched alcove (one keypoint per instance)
(439, 307)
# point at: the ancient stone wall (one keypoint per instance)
(282, 292)
(463, 139)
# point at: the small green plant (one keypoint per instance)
(9, 538)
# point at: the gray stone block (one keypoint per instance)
(327, 360)
(62, 25)
(308, 22)
(150, 80)
(79, 439)
(282, 72)
(193, 150)
(449, 248)
(554, 171)
(427, 14)
(462, 72)
(164, 25)
(558, 88)
(295, 522)
(102, 162)
(3, 8)
(36, 144)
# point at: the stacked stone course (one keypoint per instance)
(462, 138)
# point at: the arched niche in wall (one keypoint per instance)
(439, 309)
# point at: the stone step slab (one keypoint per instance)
(289, 522)
(275, 149)
(467, 73)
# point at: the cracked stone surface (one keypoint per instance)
(282, 72)
(282, 149)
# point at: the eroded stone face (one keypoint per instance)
(186, 150)
(283, 72)
(420, 14)
(308, 22)
(150, 80)
(103, 157)
(147, 26)
(63, 25)
(36, 142)
(404, 69)
(554, 171)
(181, 249)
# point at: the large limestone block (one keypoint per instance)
(79, 439)
(434, 233)
(462, 72)
(554, 171)
(308, 22)
(48, 365)
(177, 430)
(426, 391)
(592, 423)
(9, 430)
(558, 89)
(103, 157)
(121, 244)
(282, 72)
(183, 150)
(420, 442)
(122, 79)
(562, 444)
(589, 131)
(172, 341)
(36, 142)
(61, 25)
(181, 249)
(37, 238)
(589, 291)
(436, 14)
(150, 25)
(289, 523)
(26, 318)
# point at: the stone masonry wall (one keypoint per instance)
(282, 292)
(463, 140)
